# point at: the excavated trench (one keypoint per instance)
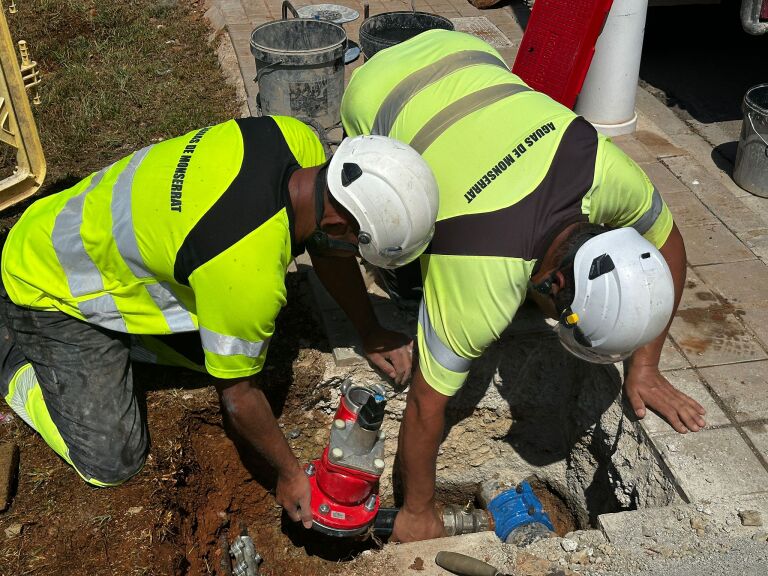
(528, 411)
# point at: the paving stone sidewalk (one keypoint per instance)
(718, 345)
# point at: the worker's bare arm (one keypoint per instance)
(644, 385)
(250, 414)
(389, 351)
(420, 435)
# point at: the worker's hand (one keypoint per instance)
(646, 387)
(391, 352)
(410, 527)
(294, 494)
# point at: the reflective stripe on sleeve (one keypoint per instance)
(175, 313)
(82, 274)
(103, 311)
(399, 97)
(446, 357)
(460, 109)
(230, 345)
(648, 219)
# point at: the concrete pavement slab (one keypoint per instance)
(662, 178)
(707, 463)
(419, 557)
(756, 320)
(658, 145)
(671, 357)
(714, 193)
(687, 210)
(740, 283)
(633, 148)
(696, 293)
(672, 524)
(742, 388)
(713, 244)
(688, 382)
(757, 204)
(758, 434)
(713, 335)
(757, 241)
(698, 178)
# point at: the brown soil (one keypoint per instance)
(195, 487)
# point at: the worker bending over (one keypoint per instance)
(189, 240)
(532, 202)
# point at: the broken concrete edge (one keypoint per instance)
(740, 516)
(655, 529)
(9, 468)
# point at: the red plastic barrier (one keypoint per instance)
(558, 46)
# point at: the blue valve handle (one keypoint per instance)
(515, 508)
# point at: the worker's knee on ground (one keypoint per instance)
(104, 477)
(110, 460)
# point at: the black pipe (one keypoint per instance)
(385, 521)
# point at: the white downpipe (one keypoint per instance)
(607, 98)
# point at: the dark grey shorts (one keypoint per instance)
(87, 384)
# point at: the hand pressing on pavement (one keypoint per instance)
(391, 352)
(294, 495)
(646, 387)
(411, 527)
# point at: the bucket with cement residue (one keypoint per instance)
(751, 169)
(300, 67)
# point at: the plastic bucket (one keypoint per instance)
(300, 68)
(385, 30)
(751, 168)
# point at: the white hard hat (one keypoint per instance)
(623, 299)
(391, 192)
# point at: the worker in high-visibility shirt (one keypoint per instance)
(533, 202)
(191, 238)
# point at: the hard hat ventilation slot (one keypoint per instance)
(349, 173)
(601, 265)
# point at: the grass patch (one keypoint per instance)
(117, 76)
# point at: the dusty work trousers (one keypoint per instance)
(91, 414)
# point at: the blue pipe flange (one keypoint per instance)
(515, 508)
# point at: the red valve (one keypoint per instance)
(345, 479)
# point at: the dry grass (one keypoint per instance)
(117, 76)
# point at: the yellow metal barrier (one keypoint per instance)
(17, 125)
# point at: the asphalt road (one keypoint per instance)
(699, 61)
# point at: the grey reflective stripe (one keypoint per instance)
(24, 384)
(82, 274)
(103, 311)
(122, 216)
(446, 357)
(230, 345)
(647, 220)
(463, 107)
(399, 97)
(176, 315)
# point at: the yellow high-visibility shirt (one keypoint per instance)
(513, 166)
(190, 234)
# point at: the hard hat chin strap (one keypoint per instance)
(319, 242)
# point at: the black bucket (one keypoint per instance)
(385, 30)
